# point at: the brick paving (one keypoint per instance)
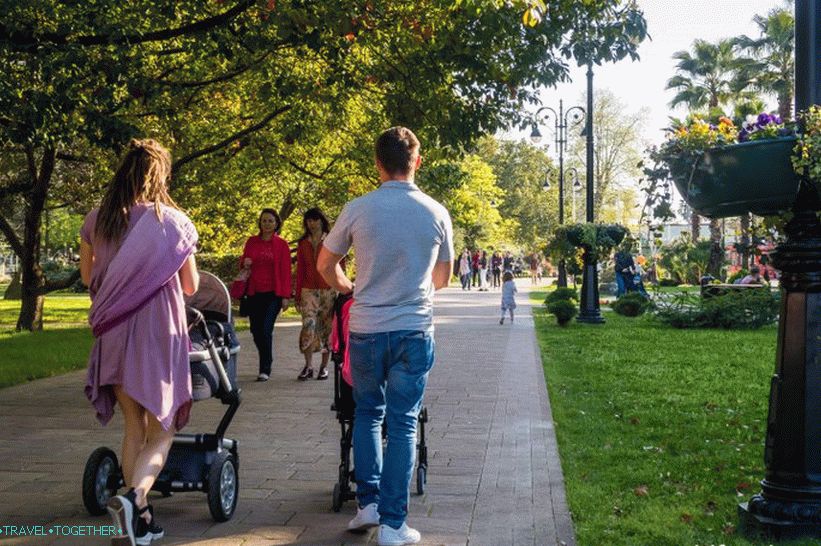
(494, 474)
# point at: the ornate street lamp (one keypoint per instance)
(589, 311)
(561, 121)
(562, 280)
(789, 505)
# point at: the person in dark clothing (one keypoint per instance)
(624, 271)
(496, 269)
(474, 268)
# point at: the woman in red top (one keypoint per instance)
(268, 258)
(314, 298)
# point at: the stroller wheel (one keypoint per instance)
(337, 498)
(421, 479)
(223, 486)
(101, 479)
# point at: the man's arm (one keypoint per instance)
(327, 264)
(442, 272)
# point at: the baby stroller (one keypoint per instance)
(344, 407)
(196, 462)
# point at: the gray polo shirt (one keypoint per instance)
(399, 234)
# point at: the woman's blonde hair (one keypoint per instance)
(142, 176)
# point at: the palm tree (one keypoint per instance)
(709, 77)
(771, 68)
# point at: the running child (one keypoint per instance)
(508, 296)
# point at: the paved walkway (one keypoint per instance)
(494, 475)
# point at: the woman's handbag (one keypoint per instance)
(239, 291)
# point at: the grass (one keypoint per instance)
(64, 343)
(660, 431)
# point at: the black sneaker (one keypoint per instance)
(123, 510)
(146, 532)
(306, 373)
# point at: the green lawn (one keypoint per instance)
(660, 430)
(62, 346)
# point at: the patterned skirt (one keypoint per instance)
(316, 307)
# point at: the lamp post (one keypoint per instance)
(789, 505)
(562, 280)
(560, 122)
(589, 311)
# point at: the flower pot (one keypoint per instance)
(732, 180)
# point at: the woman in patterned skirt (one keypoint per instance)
(314, 298)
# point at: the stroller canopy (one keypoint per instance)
(212, 298)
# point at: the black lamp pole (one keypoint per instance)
(560, 131)
(590, 311)
(789, 505)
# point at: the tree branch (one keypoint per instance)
(225, 142)
(14, 189)
(28, 38)
(11, 236)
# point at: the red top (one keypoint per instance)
(306, 274)
(270, 265)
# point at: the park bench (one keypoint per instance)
(710, 290)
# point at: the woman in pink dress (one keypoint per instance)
(137, 258)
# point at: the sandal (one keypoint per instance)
(306, 373)
(323, 374)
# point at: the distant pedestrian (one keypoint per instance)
(474, 268)
(483, 272)
(624, 270)
(508, 296)
(507, 262)
(464, 270)
(534, 269)
(496, 269)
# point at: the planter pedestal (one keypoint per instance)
(789, 505)
(589, 310)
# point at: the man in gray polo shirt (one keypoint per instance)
(403, 241)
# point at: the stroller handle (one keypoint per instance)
(199, 320)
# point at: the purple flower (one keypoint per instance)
(743, 135)
(777, 120)
(764, 119)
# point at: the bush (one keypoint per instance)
(734, 310)
(564, 310)
(668, 282)
(631, 305)
(561, 294)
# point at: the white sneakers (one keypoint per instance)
(365, 517)
(388, 536)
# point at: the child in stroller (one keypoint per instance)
(196, 462)
(344, 406)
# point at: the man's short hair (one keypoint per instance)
(754, 269)
(397, 149)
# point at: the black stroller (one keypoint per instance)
(344, 407)
(196, 462)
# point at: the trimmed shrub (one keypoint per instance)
(631, 305)
(561, 294)
(564, 310)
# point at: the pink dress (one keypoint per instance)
(145, 348)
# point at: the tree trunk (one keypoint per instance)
(785, 107)
(695, 227)
(716, 251)
(15, 289)
(744, 224)
(31, 310)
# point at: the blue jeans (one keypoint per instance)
(390, 370)
(619, 284)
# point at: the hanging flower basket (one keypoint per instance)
(732, 180)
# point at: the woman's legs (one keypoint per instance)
(145, 463)
(264, 313)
